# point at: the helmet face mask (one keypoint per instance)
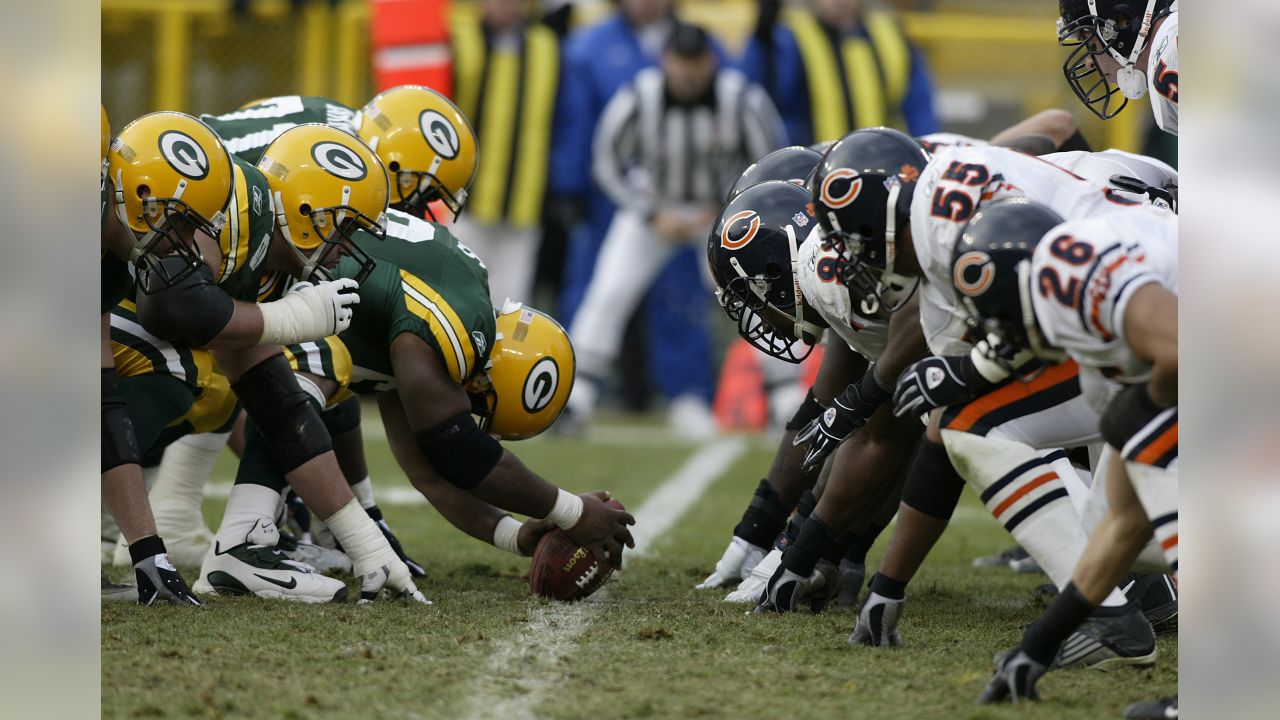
(1107, 32)
(338, 226)
(172, 225)
(753, 254)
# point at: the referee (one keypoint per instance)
(668, 147)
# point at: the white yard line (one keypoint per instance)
(552, 630)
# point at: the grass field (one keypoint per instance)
(648, 645)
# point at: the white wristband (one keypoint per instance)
(506, 534)
(567, 510)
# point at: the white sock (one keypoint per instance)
(1157, 490)
(1032, 503)
(246, 504)
(363, 542)
(178, 493)
(363, 491)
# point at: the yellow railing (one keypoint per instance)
(155, 52)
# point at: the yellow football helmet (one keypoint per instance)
(327, 185)
(172, 177)
(427, 145)
(530, 376)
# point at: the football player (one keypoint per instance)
(200, 287)
(430, 149)
(769, 283)
(1102, 291)
(124, 493)
(1122, 47)
(423, 340)
(894, 213)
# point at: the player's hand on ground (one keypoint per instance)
(1015, 679)
(736, 563)
(786, 592)
(933, 382)
(394, 580)
(603, 529)
(158, 579)
(878, 622)
(531, 531)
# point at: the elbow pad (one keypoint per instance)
(285, 414)
(460, 451)
(191, 312)
(119, 445)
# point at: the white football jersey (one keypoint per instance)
(825, 292)
(1162, 73)
(1083, 274)
(951, 189)
(1099, 167)
(933, 142)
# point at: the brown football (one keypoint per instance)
(563, 569)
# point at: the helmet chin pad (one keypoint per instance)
(1132, 82)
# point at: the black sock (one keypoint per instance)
(803, 509)
(146, 547)
(375, 513)
(813, 541)
(888, 587)
(1044, 636)
(837, 549)
(862, 542)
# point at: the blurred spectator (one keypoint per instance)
(599, 59)
(837, 68)
(506, 72)
(668, 147)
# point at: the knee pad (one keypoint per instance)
(119, 445)
(933, 486)
(764, 518)
(806, 413)
(343, 417)
(283, 412)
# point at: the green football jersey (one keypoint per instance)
(426, 283)
(249, 130)
(246, 235)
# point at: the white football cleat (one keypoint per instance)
(258, 568)
(739, 559)
(752, 588)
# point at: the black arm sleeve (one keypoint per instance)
(191, 312)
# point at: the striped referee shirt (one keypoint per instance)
(650, 150)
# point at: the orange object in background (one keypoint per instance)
(741, 402)
(409, 41)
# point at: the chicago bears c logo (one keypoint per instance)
(339, 160)
(828, 194)
(752, 228)
(184, 154)
(540, 385)
(441, 135)
(973, 273)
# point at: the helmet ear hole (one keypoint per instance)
(394, 166)
(304, 209)
(144, 191)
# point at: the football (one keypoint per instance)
(563, 569)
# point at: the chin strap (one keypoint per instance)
(1131, 79)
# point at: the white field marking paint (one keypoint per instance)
(553, 629)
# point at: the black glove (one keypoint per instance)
(415, 569)
(848, 412)
(1015, 679)
(936, 382)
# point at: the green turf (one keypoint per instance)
(655, 647)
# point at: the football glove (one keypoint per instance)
(394, 579)
(878, 622)
(936, 382)
(1015, 679)
(158, 579)
(786, 592)
(848, 412)
(739, 559)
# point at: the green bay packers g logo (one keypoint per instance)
(184, 154)
(441, 135)
(540, 385)
(973, 273)
(340, 160)
(828, 194)
(752, 228)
